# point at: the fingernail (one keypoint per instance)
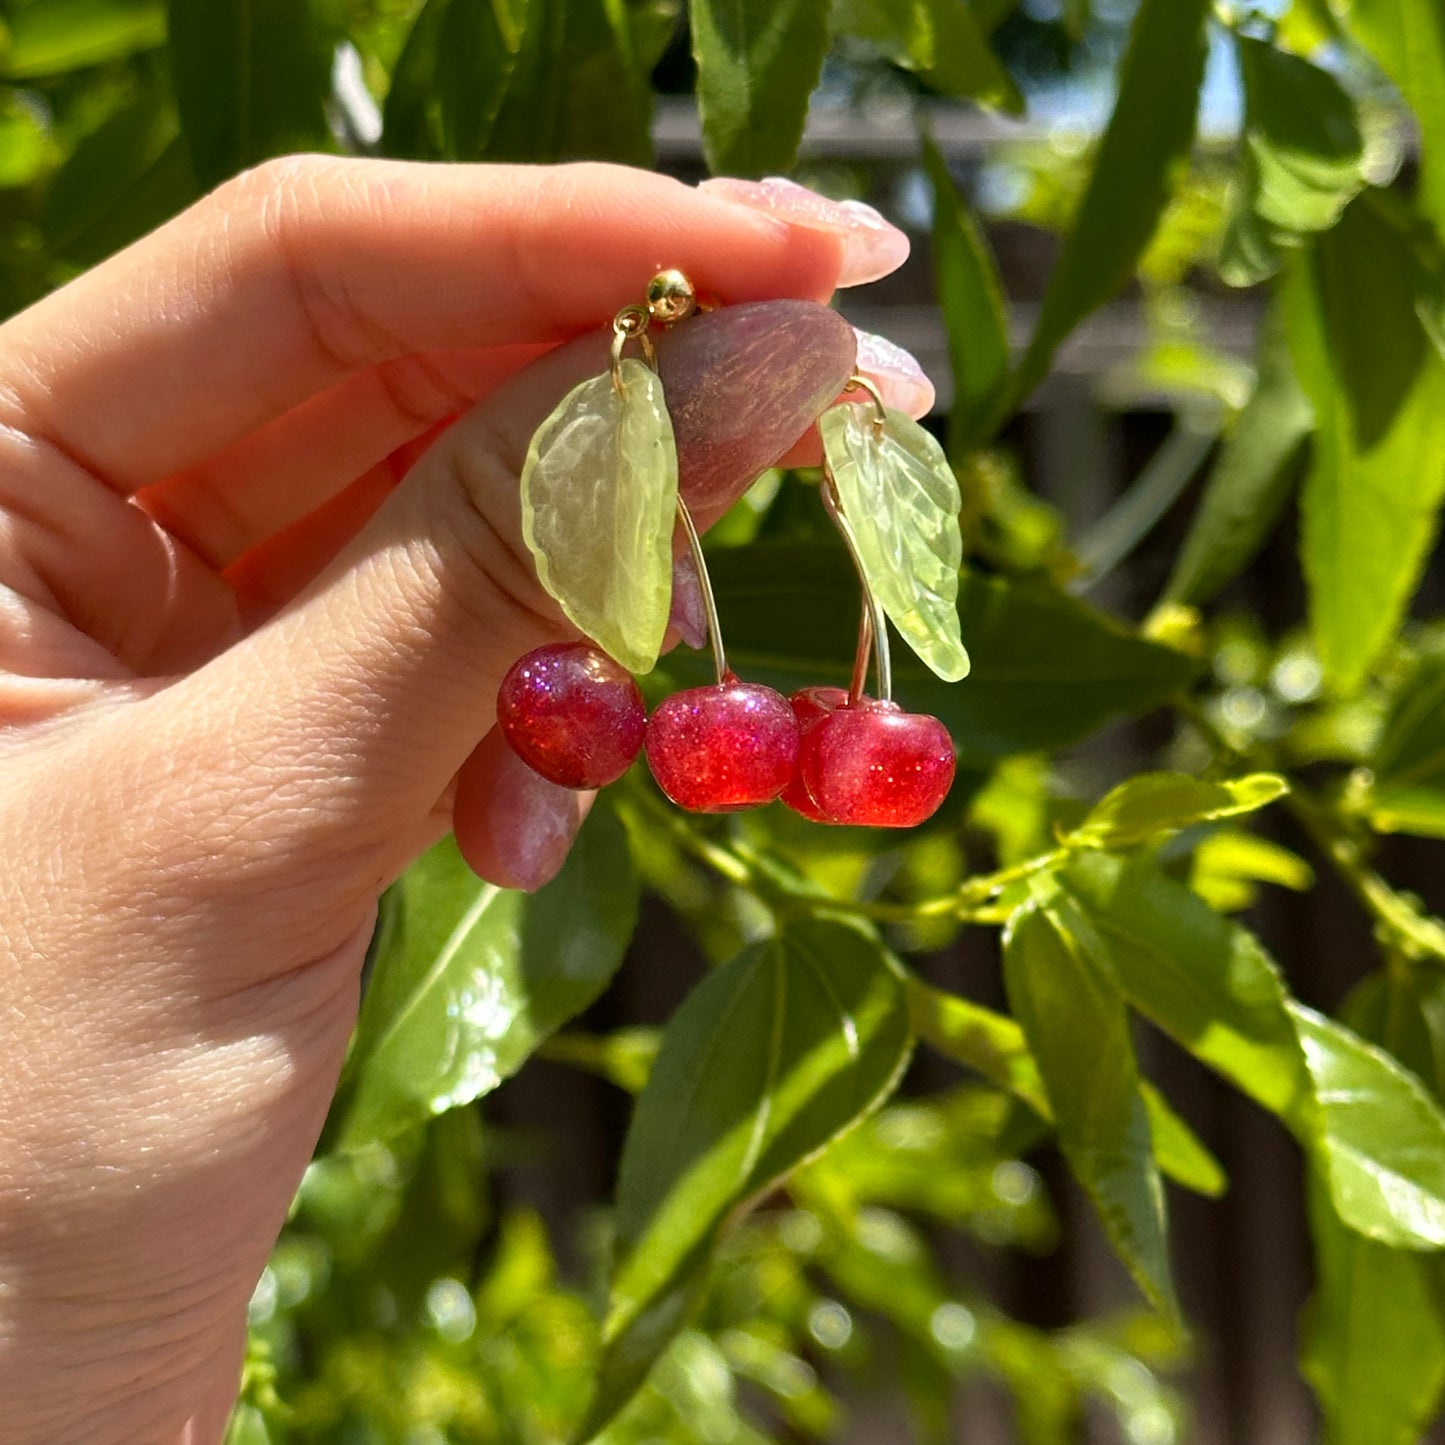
(872, 246)
(520, 827)
(689, 612)
(896, 373)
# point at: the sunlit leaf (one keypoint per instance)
(1147, 141)
(769, 1058)
(1378, 388)
(1151, 805)
(1407, 37)
(251, 79)
(1303, 159)
(1046, 670)
(757, 64)
(901, 500)
(993, 1045)
(942, 40)
(1251, 481)
(1375, 1133)
(470, 978)
(971, 300)
(24, 144)
(1374, 1330)
(1064, 995)
(599, 500)
(57, 36)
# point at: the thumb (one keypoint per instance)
(329, 735)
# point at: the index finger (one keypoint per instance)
(309, 269)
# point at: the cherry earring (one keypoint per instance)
(864, 760)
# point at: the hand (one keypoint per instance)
(246, 675)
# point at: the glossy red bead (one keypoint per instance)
(572, 714)
(721, 748)
(874, 765)
(810, 706)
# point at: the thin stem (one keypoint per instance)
(862, 656)
(709, 601)
(871, 605)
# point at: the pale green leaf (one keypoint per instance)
(599, 499)
(1064, 995)
(1303, 160)
(1251, 481)
(471, 978)
(757, 64)
(971, 299)
(24, 143)
(770, 1057)
(1378, 388)
(901, 500)
(1152, 805)
(1146, 143)
(993, 1045)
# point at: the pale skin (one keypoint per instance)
(246, 673)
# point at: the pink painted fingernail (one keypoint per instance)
(689, 612)
(895, 372)
(528, 823)
(872, 246)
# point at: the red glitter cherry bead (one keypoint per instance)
(810, 706)
(572, 714)
(875, 765)
(717, 749)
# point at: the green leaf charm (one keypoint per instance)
(902, 501)
(599, 495)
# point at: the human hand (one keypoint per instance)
(246, 674)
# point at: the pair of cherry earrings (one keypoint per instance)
(576, 716)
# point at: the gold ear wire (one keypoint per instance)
(859, 382)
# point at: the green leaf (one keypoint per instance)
(472, 978)
(451, 79)
(599, 500)
(1152, 805)
(941, 40)
(1382, 1136)
(251, 79)
(993, 1045)
(971, 299)
(120, 181)
(1072, 1012)
(63, 35)
(1407, 37)
(1374, 1331)
(771, 1057)
(1408, 791)
(1046, 670)
(24, 142)
(901, 501)
(1370, 1126)
(1251, 481)
(579, 88)
(1378, 388)
(1147, 141)
(1303, 160)
(757, 64)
